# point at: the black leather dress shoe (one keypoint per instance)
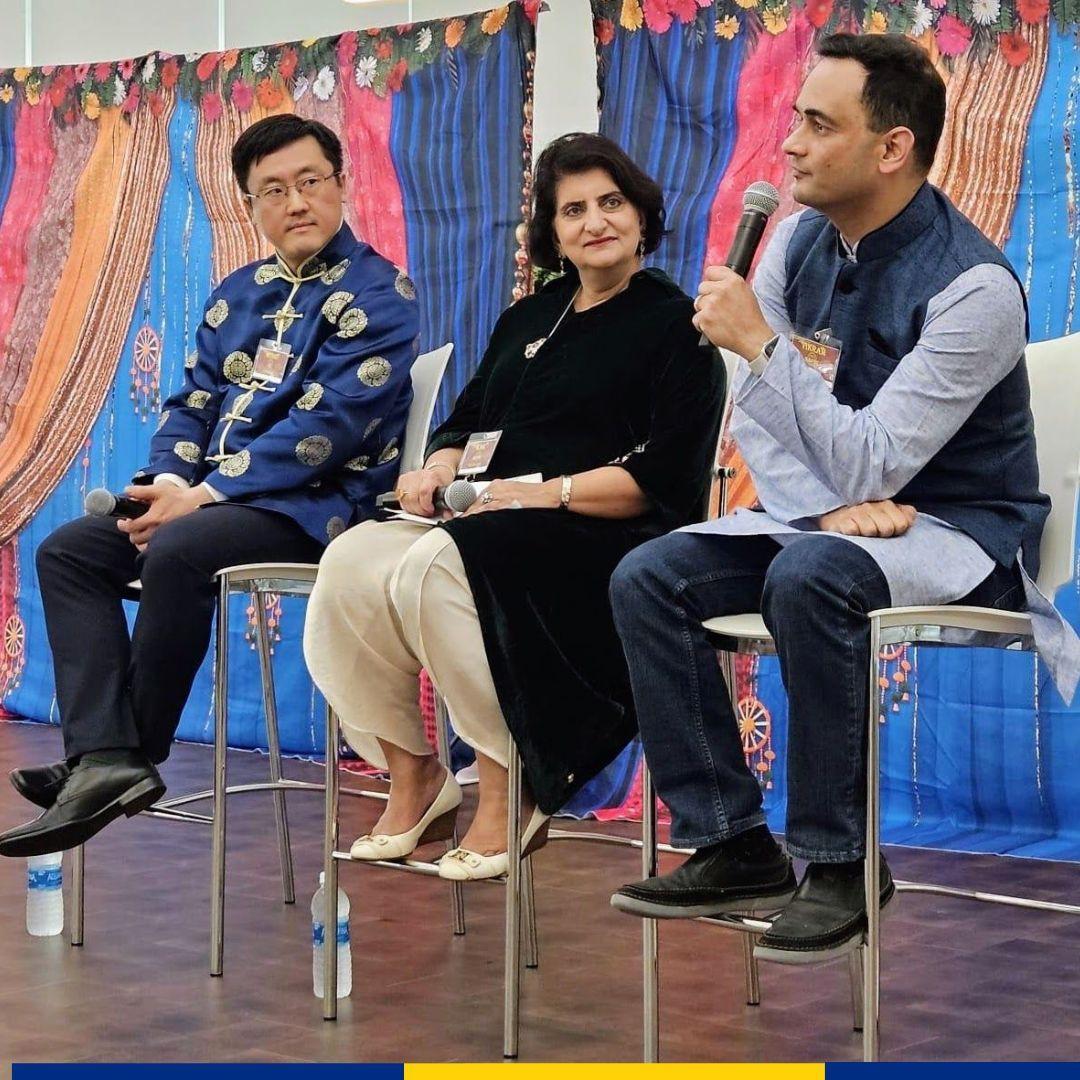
(41, 783)
(827, 917)
(730, 876)
(98, 791)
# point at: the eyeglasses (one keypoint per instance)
(278, 194)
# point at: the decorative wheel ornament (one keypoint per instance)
(14, 636)
(754, 724)
(146, 373)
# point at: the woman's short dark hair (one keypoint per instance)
(576, 153)
(902, 89)
(271, 134)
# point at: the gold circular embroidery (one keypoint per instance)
(187, 451)
(266, 273)
(242, 401)
(314, 450)
(357, 464)
(335, 273)
(238, 367)
(352, 322)
(374, 372)
(335, 304)
(217, 314)
(192, 359)
(335, 527)
(236, 464)
(311, 397)
(404, 286)
(164, 419)
(372, 425)
(312, 267)
(389, 452)
(198, 399)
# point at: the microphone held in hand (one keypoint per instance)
(760, 201)
(103, 503)
(457, 496)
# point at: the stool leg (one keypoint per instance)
(273, 745)
(528, 914)
(650, 946)
(78, 893)
(750, 970)
(872, 959)
(855, 964)
(330, 867)
(217, 853)
(442, 739)
(512, 960)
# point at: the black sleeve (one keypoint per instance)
(672, 466)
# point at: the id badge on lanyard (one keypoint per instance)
(820, 352)
(271, 361)
(479, 451)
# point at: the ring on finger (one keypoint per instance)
(486, 497)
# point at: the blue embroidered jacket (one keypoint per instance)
(324, 442)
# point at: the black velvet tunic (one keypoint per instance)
(628, 383)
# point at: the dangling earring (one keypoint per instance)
(641, 248)
(562, 263)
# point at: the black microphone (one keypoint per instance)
(457, 496)
(759, 202)
(103, 503)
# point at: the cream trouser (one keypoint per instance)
(392, 598)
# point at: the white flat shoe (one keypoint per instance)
(436, 824)
(461, 864)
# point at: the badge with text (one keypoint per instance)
(820, 352)
(271, 361)
(479, 451)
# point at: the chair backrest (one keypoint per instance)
(1054, 371)
(427, 376)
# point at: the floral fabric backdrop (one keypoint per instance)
(979, 750)
(118, 214)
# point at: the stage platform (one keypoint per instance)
(961, 980)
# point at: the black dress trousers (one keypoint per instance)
(116, 690)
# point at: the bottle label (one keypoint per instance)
(50, 878)
(318, 935)
(343, 932)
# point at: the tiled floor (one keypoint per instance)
(960, 980)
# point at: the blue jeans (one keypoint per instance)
(814, 596)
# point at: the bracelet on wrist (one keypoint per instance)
(443, 465)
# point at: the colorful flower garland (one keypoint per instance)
(377, 58)
(958, 26)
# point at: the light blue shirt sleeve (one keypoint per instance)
(973, 336)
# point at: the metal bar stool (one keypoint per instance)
(520, 903)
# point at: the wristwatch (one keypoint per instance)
(567, 490)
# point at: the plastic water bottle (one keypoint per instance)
(318, 942)
(45, 895)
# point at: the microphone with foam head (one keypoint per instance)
(103, 503)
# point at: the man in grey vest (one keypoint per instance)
(882, 408)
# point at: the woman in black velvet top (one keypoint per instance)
(599, 384)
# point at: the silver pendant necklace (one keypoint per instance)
(535, 346)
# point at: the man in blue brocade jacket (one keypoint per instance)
(289, 423)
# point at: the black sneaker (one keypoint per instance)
(748, 873)
(826, 919)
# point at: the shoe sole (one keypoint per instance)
(137, 798)
(803, 957)
(748, 905)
